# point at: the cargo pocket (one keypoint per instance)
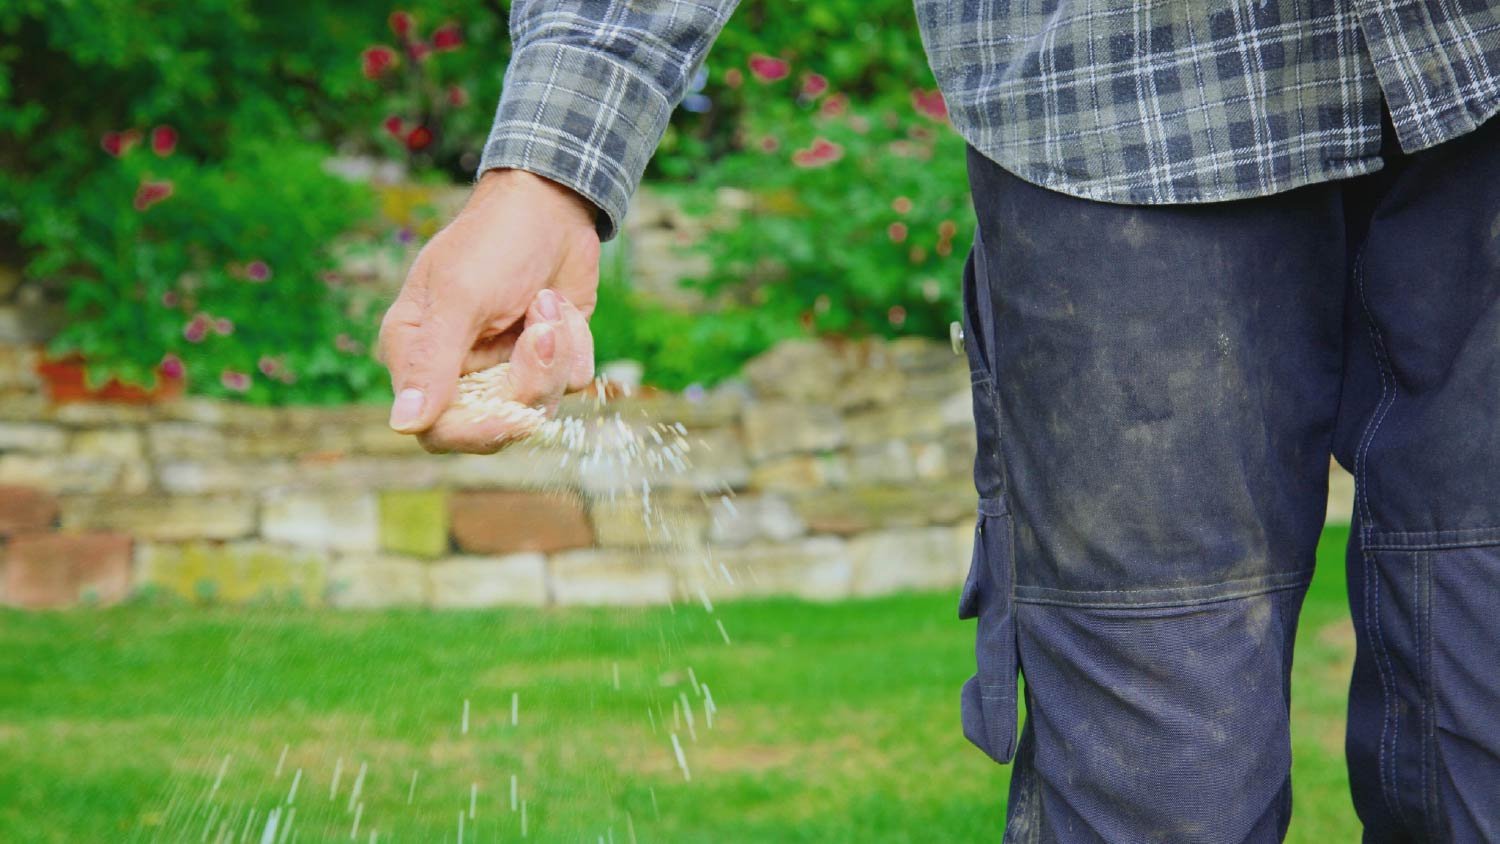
(989, 697)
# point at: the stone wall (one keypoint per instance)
(829, 471)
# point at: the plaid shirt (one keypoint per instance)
(1134, 101)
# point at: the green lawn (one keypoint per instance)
(835, 723)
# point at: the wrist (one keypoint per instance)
(548, 194)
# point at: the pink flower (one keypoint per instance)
(418, 51)
(769, 68)
(901, 205)
(223, 327)
(400, 23)
(119, 143)
(769, 144)
(268, 366)
(447, 37)
(930, 104)
(814, 85)
(239, 382)
(196, 329)
(171, 367)
(258, 271)
(834, 106)
(822, 152)
(169, 299)
(376, 60)
(897, 315)
(163, 140)
(896, 232)
(150, 193)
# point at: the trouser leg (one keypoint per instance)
(1420, 429)
(1155, 393)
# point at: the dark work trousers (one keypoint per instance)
(1157, 391)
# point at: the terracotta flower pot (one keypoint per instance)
(66, 382)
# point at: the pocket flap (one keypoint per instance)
(989, 697)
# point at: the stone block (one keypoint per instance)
(17, 368)
(600, 576)
(33, 437)
(414, 522)
(898, 560)
(716, 462)
(233, 573)
(888, 462)
(910, 420)
(191, 440)
(860, 509)
(673, 521)
(800, 472)
(331, 520)
(159, 517)
(49, 570)
(814, 568)
(339, 471)
(25, 509)
(775, 428)
(803, 370)
(378, 438)
(493, 522)
(473, 582)
(102, 414)
(752, 518)
(75, 473)
(202, 476)
(374, 582)
(518, 468)
(870, 387)
(123, 444)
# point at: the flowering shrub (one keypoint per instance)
(220, 274)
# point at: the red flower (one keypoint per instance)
(395, 126)
(896, 232)
(447, 37)
(163, 140)
(419, 138)
(268, 366)
(821, 153)
(814, 85)
(457, 96)
(769, 68)
(901, 205)
(150, 193)
(169, 299)
(897, 315)
(258, 271)
(733, 78)
(930, 104)
(376, 60)
(236, 381)
(418, 51)
(400, 23)
(947, 229)
(769, 144)
(171, 367)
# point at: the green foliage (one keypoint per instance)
(229, 277)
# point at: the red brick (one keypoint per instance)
(24, 509)
(502, 522)
(46, 570)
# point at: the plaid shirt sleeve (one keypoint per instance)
(590, 87)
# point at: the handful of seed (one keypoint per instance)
(490, 394)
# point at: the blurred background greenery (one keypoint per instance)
(171, 174)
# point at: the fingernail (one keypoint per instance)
(547, 303)
(546, 345)
(407, 409)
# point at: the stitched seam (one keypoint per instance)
(1163, 604)
(1429, 757)
(1293, 577)
(1372, 588)
(1482, 542)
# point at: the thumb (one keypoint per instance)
(424, 350)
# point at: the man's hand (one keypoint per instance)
(474, 289)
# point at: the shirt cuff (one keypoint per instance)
(580, 118)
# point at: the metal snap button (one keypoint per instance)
(956, 337)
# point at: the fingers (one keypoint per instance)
(541, 366)
(424, 343)
(581, 341)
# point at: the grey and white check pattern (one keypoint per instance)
(1155, 101)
